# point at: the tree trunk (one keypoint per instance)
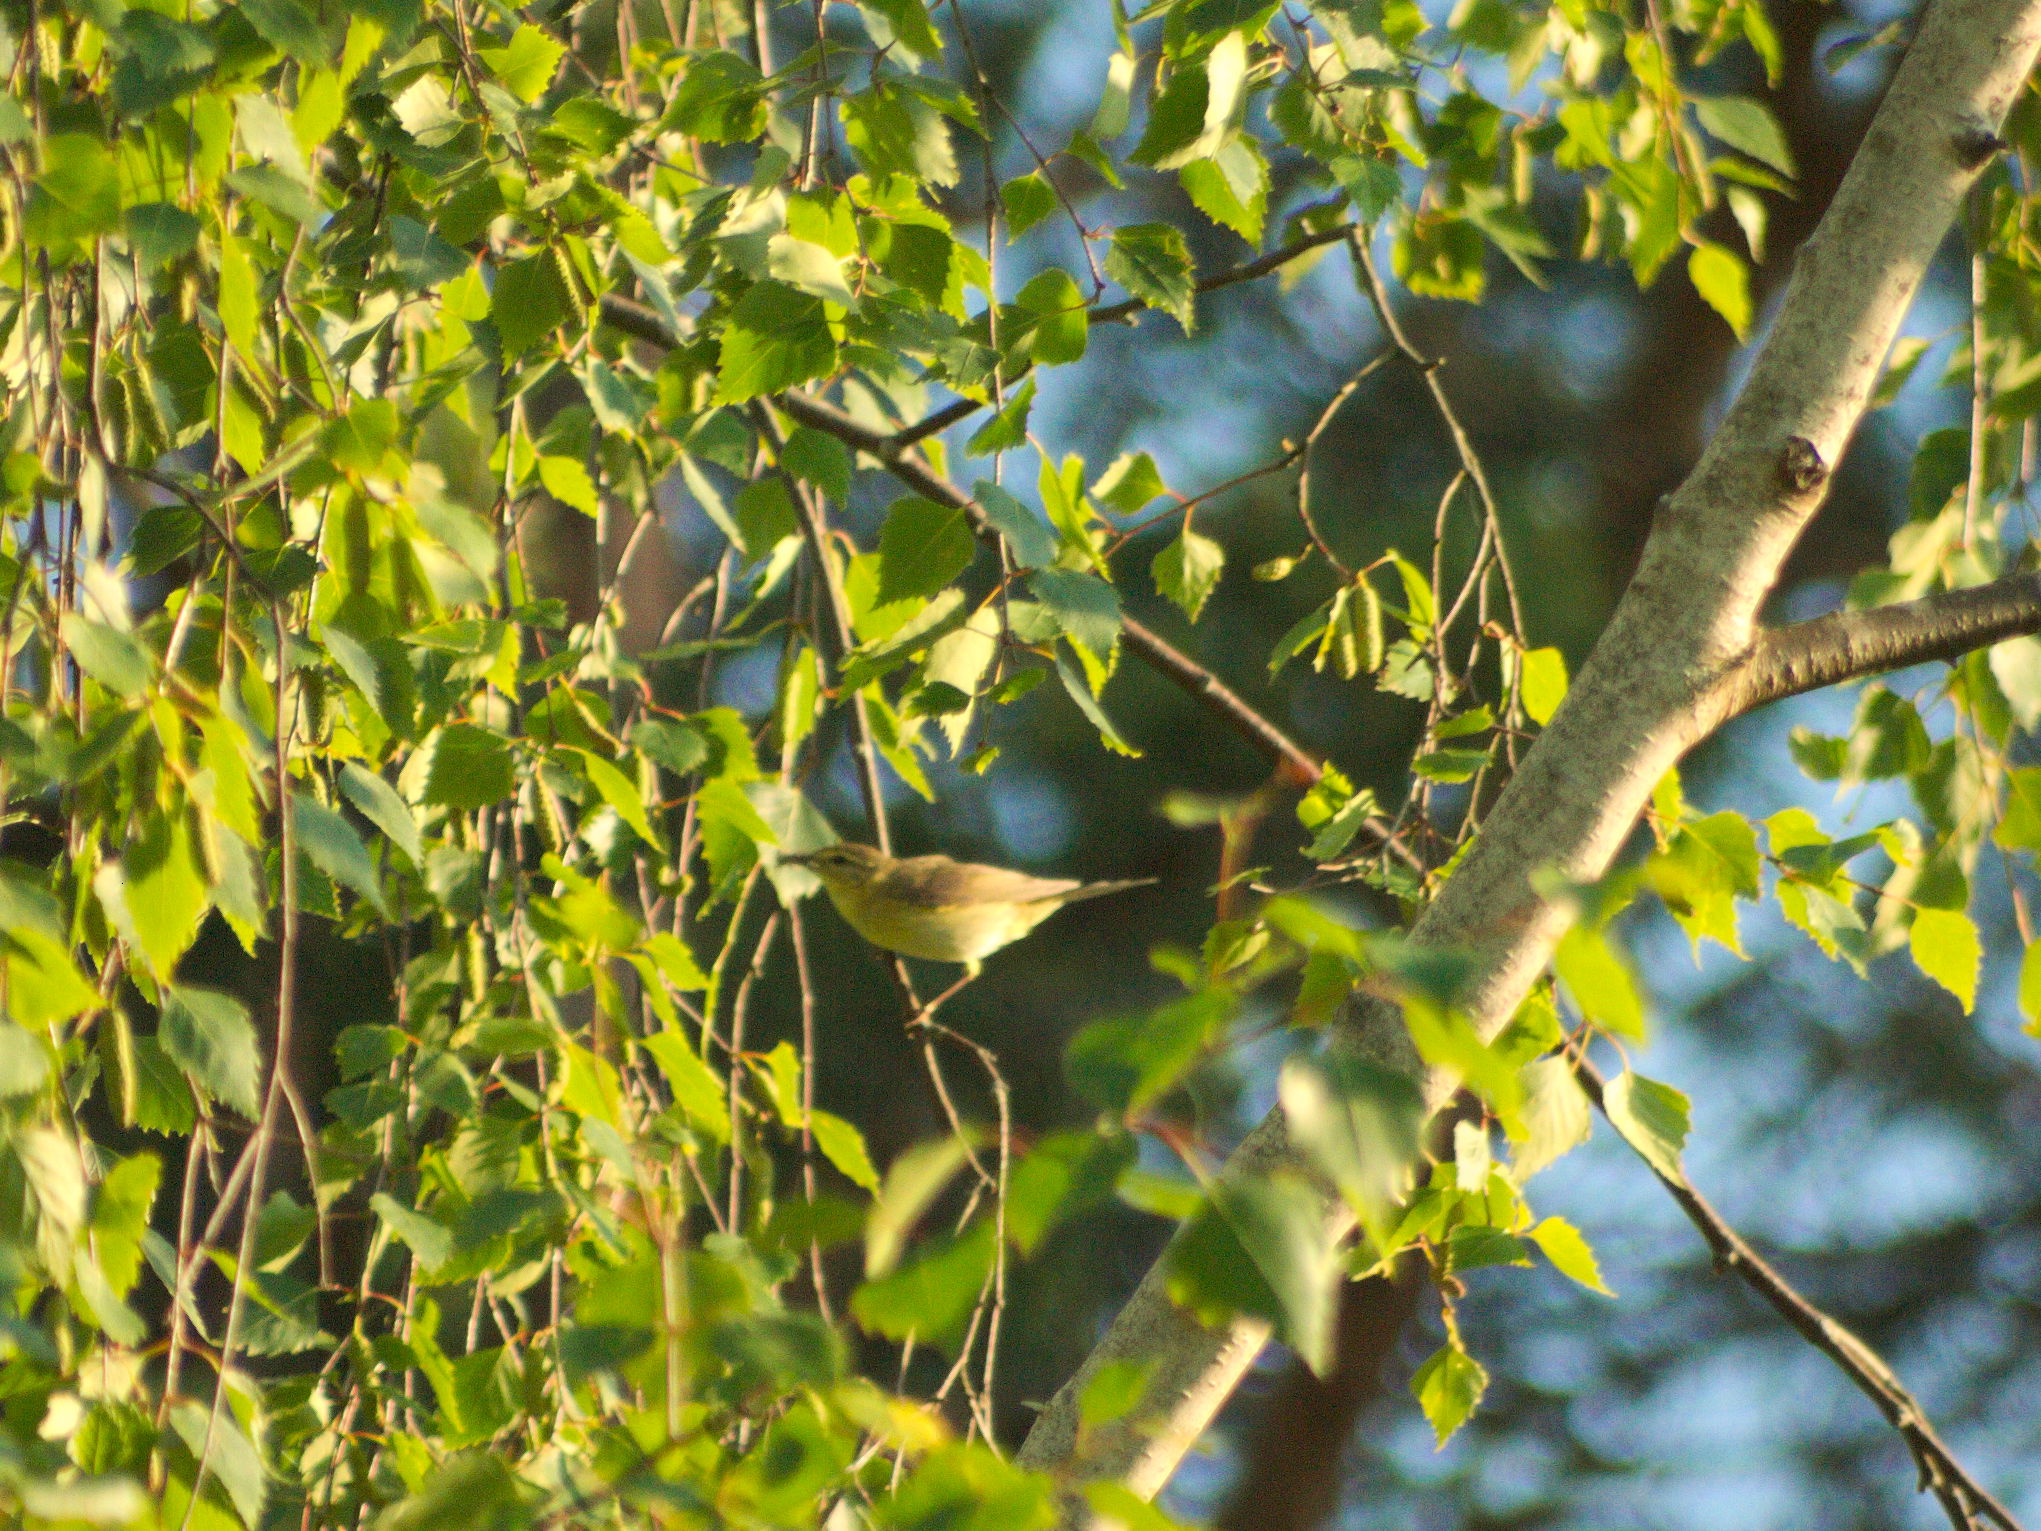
(1683, 652)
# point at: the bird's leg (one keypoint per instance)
(926, 1013)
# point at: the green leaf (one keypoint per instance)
(1448, 1387)
(912, 1182)
(1945, 947)
(1113, 1392)
(1720, 276)
(379, 803)
(1008, 428)
(1470, 1247)
(566, 480)
(156, 893)
(1124, 1065)
(720, 98)
(932, 1295)
(209, 1036)
(696, 1089)
(77, 195)
(764, 515)
(1556, 1116)
(291, 28)
(44, 985)
(431, 1242)
(1361, 1126)
(461, 766)
(776, 338)
(1599, 981)
(232, 1458)
(1033, 543)
(907, 23)
(1262, 1247)
(332, 846)
(1085, 607)
(1333, 835)
(1176, 121)
(1544, 683)
(1028, 199)
(1900, 364)
(1746, 125)
(1561, 1243)
(844, 1146)
(526, 63)
(2030, 988)
(106, 654)
(120, 1219)
(1130, 483)
(1307, 631)
(1231, 188)
(1709, 864)
(818, 459)
(380, 671)
(1051, 325)
(675, 962)
(808, 267)
(528, 301)
(2016, 666)
(1652, 1118)
(894, 133)
(623, 795)
(869, 661)
(1062, 1175)
(1187, 571)
(1153, 263)
(922, 547)
(24, 1061)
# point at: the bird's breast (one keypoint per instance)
(950, 933)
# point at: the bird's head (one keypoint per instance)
(843, 865)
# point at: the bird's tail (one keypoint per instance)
(1100, 889)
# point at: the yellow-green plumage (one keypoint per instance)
(938, 909)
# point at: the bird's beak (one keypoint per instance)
(801, 860)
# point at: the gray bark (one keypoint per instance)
(1681, 653)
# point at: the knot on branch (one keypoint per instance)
(1975, 143)
(1800, 465)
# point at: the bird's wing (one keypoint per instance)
(1095, 889)
(937, 882)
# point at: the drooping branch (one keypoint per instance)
(1966, 1501)
(1849, 645)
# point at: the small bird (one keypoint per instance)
(938, 909)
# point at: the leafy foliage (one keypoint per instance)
(309, 312)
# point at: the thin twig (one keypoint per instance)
(1980, 383)
(739, 1009)
(1463, 445)
(1112, 313)
(286, 1005)
(798, 931)
(1962, 1497)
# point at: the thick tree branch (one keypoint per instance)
(1647, 693)
(1849, 645)
(1966, 1501)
